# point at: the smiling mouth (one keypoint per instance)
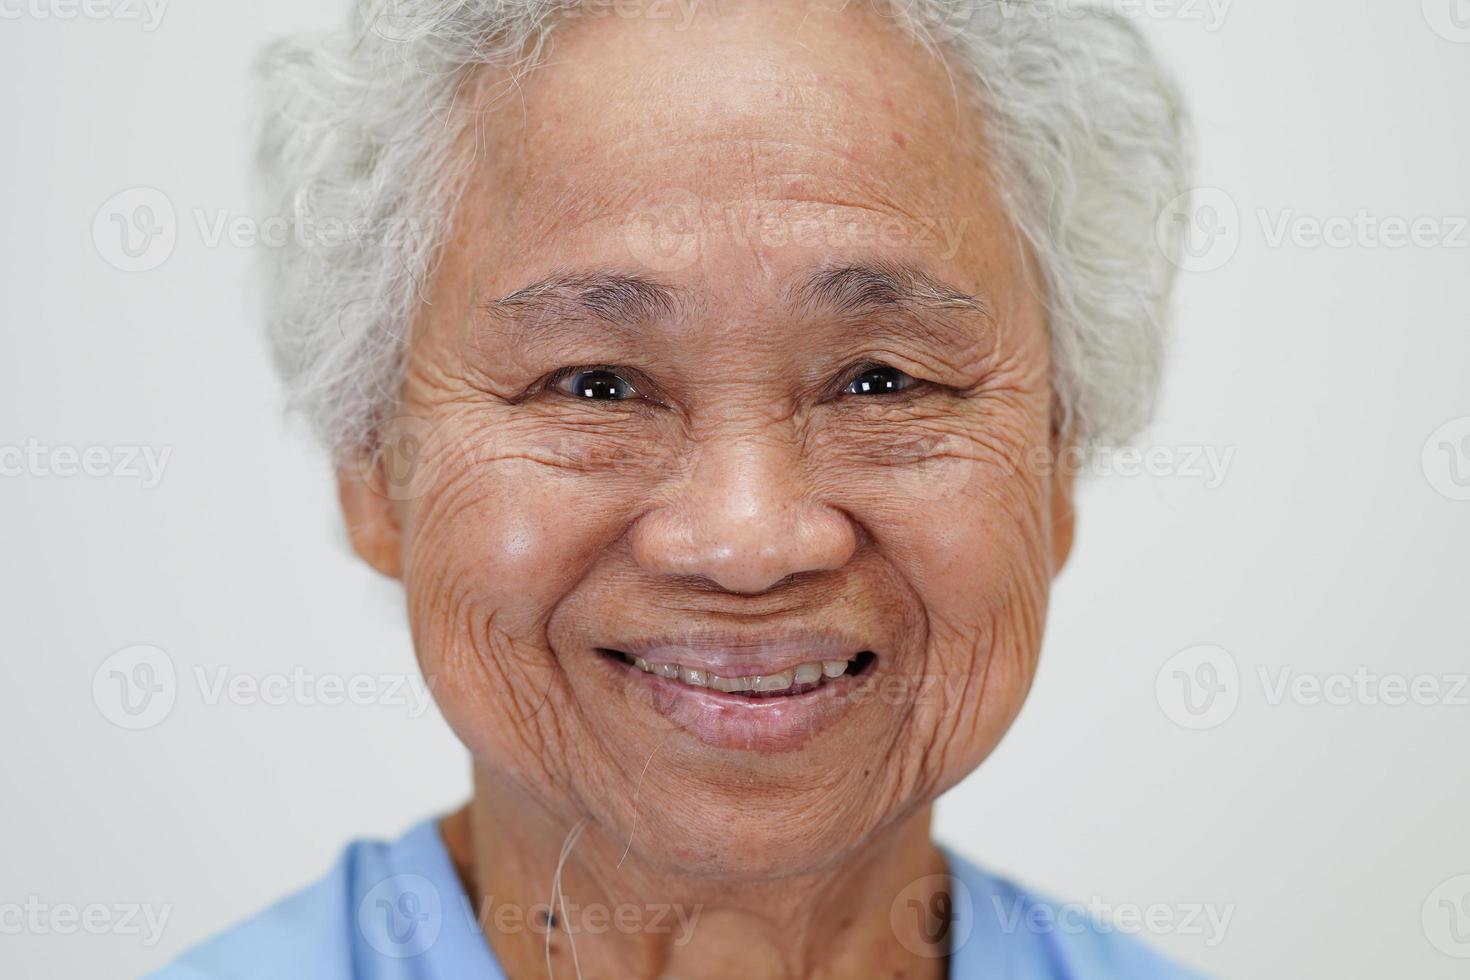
(791, 682)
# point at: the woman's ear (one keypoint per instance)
(1063, 515)
(1063, 477)
(371, 513)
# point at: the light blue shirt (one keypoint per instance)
(398, 911)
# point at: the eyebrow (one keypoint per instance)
(867, 289)
(613, 298)
(855, 292)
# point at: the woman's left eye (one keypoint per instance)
(880, 380)
(598, 384)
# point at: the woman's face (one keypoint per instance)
(731, 363)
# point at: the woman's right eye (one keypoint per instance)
(880, 379)
(598, 384)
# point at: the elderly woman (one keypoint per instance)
(698, 372)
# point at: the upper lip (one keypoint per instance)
(739, 654)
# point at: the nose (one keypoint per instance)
(744, 520)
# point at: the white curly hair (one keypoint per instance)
(359, 153)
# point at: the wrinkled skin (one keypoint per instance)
(740, 489)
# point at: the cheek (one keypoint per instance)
(954, 503)
(978, 552)
(491, 537)
(490, 550)
(505, 517)
(988, 611)
(507, 513)
(969, 531)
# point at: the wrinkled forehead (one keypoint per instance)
(754, 140)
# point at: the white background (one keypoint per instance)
(1329, 832)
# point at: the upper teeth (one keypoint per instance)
(807, 673)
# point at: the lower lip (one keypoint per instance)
(732, 721)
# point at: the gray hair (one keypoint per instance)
(360, 136)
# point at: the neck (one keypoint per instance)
(611, 913)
